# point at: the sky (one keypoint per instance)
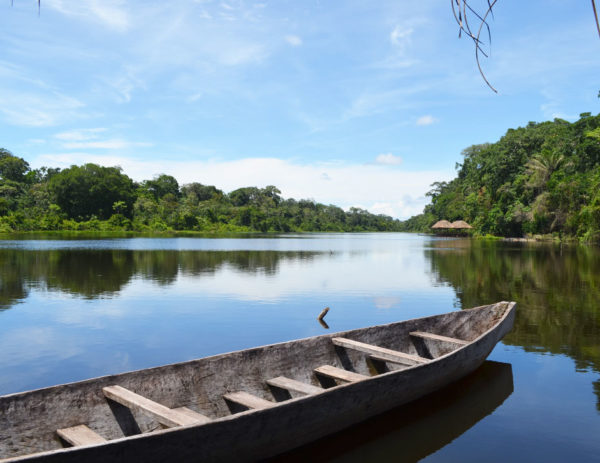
(352, 103)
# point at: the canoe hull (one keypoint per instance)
(259, 434)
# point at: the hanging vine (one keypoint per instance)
(465, 15)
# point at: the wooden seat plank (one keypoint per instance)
(160, 413)
(248, 400)
(81, 435)
(340, 373)
(389, 354)
(437, 337)
(293, 385)
(200, 418)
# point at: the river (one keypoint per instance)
(71, 309)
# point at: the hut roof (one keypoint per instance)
(460, 224)
(442, 224)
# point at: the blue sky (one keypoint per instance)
(352, 103)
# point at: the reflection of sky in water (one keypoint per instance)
(55, 335)
(206, 303)
(291, 242)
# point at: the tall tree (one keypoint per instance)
(12, 167)
(91, 190)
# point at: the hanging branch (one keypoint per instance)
(462, 10)
(596, 16)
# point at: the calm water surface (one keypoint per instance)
(74, 309)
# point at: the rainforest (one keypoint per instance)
(97, 198)
(541, 180)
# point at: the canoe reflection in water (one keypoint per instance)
(411, 432)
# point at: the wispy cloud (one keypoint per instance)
(90, 139)
(388, 159)
(80, 135)
(109, 13)
(426, 120)
(39, 110)
(401, 36)
(114, 144)
(123, 84)
(375, 102)
(293, 40)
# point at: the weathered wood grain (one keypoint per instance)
(192, 414)
(395, 360)
(339, 373)
(248, 400)
(380, 351)
(437, 337)
(293, 385)
(80, 435)
(162, 414)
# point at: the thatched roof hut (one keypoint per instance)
(442, 224)
(460, 224)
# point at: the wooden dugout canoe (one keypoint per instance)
(253, 403)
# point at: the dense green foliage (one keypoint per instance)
(92, 197)
(91, 190)
(540, 179)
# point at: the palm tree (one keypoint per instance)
(541, 166)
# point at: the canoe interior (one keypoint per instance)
(29, 420)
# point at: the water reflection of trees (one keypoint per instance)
(557, 289)
(102, 273)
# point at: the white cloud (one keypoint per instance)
(426, 120)
(114, 144)
(401, 37)
(395, 192)
(42, 110)
(80, 135)
(388, 159)
(109, 13)
(124, 84)
(89, 139)
(382, 208)
(293, 40)
(369, 103)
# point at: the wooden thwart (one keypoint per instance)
(192, 414)
(396, 360)
(164, 415)
(381, 352)
(339, 373)
(248, 400)
(293, 385)
(81, 435)
(437, 337)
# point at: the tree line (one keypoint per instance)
(536, 180)
(92, 197)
